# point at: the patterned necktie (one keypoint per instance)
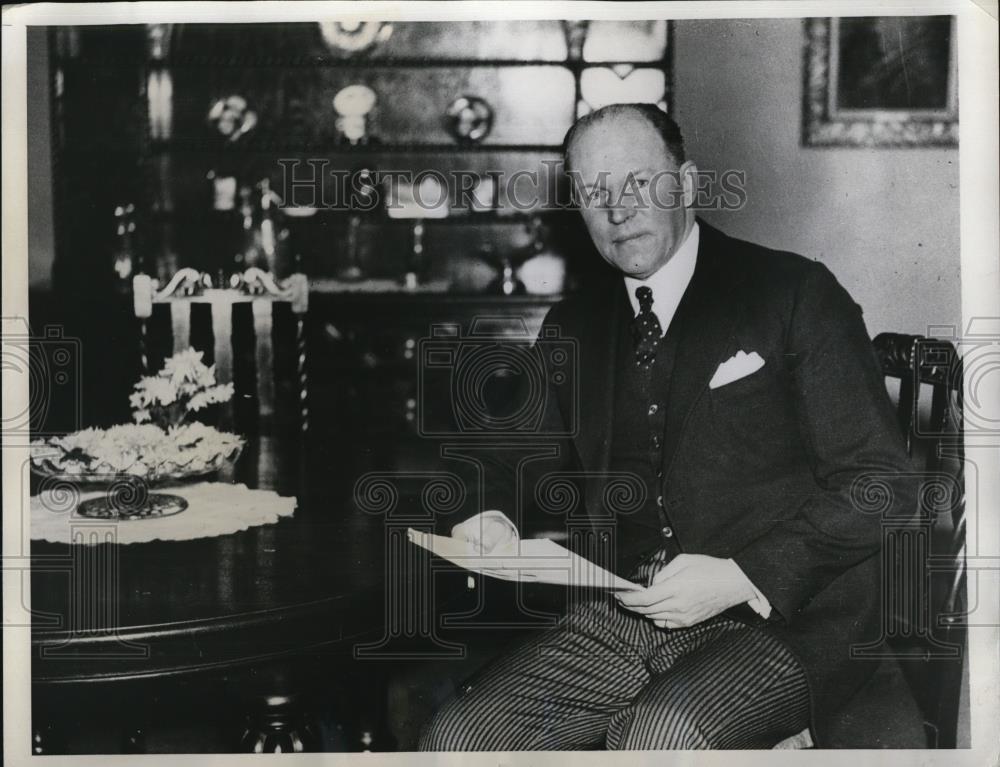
(646, 329)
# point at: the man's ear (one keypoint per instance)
(689, 180)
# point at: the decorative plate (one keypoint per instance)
(132, 509)
(354, 36)
(469, 119)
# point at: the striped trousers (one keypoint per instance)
(604, 676)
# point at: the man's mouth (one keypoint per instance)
(628, 238)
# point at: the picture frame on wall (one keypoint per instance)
(881, 81)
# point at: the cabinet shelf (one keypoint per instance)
(454, 300)
(378, 220)
(324, 62)
(261, 145)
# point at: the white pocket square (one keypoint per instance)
(736, 367)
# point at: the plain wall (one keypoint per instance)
(885, 221)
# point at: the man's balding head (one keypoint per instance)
(659, 120)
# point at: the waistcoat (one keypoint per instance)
(639, 419)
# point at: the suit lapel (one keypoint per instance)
(704, 323)
(598, 352)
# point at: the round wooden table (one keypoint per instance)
(266, 612)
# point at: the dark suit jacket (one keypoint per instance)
(771, 470)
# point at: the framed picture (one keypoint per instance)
(881, 81)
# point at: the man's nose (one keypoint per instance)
(620, 213)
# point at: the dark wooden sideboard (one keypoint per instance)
(374, 374)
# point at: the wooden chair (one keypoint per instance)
(190, 293)
(929, 627)
(923, 624)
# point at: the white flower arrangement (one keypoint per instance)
(185, 385)
(140, 450)
(164, 448)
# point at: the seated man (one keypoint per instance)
(739, 386)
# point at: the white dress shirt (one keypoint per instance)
(669, 282)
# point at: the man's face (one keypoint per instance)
(635, 199)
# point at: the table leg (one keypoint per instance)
(280, 725)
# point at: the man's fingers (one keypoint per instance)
(484, 536)
(494, 533)
(672, 567)
(668, 623)
(648, 596)
(658, 603)
(462, 532)
(664, 615)
(465, 535)
(663, 606)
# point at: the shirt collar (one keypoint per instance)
(669, 282)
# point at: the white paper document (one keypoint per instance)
(535, 560)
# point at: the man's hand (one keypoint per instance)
(692, 588)
(486, 532)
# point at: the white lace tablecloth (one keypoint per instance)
(214, 508)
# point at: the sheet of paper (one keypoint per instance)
(538, 560)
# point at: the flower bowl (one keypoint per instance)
(142, 452)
